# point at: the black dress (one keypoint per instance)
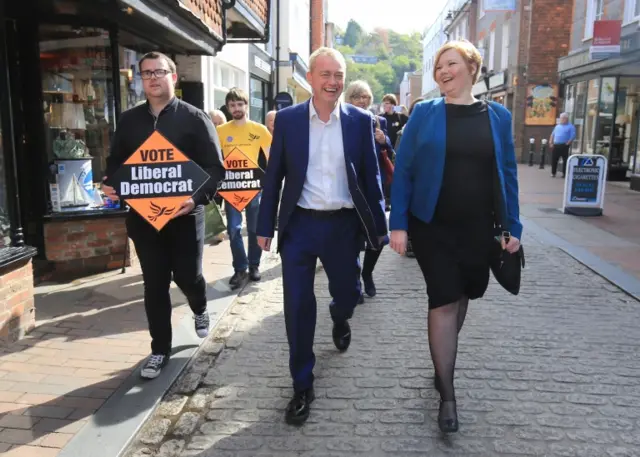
(453, 249)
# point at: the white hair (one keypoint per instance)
(328, 52)
(564, 115)
(357, 88)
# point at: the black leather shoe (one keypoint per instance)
(299, 407)
(448, 417)
(239, 279)
(254, 274)
(369, 287)
(342, 335)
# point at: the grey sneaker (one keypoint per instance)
(202, 324)
(153, 366)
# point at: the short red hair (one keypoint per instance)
(467, 51)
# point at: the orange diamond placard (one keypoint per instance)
(243, 180)
(156, 179)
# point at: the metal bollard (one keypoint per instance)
(532, 146)
(543, 151)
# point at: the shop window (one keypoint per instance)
(569, 101)
(591, 116)
(5, 223)
(131, 90)
(579, 116)
(79, 112)
(604, 125)
(256, 100)
(625, 135)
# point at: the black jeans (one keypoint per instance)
(173, 253)
(559, 150)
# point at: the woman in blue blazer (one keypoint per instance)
(455, 183)
(359, 94)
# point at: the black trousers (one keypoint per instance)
(559, 150)
(173, 253)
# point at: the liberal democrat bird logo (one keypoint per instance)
(240, 199)
(159, 211)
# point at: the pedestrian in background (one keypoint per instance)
(217, 117)
(395, 120)
(324, 152)
(359, 94)
(455, 182)
(254, 141)
(175, 252)
(270, 121)
(560, 142)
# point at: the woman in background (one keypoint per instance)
(455, 181)
(359, 93)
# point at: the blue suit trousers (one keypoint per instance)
(336, 240)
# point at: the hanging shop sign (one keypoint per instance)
(499, 5)
(283, 100)
(542, 103)
(584, 186)
(156, 179)
(606, 40)
(243, 180)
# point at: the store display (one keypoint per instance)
(79, 112)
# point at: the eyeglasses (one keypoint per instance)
(361, 97)
(160, 73)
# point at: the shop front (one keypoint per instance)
(493, 87)
(71, 69)
(260, 85)
(295, 76)
(602, 99)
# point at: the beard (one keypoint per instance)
(237, 115)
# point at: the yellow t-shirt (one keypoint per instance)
(253, 139)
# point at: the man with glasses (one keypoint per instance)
(175, 252)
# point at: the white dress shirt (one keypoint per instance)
(326, 187)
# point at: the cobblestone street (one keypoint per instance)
(552, 372)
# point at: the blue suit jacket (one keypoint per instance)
(420, 165)
(289, 158)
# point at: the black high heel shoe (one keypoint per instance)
(448, 417)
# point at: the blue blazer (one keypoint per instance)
(420, 165)
(289, 159)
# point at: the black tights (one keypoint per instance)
(370, 259)
(445, 323)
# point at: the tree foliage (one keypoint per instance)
(397, 53)
(354, 34)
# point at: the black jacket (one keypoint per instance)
(185, 126)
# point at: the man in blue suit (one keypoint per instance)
(331, 203)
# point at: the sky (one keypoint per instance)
(403, 16)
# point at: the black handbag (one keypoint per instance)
(507, 267)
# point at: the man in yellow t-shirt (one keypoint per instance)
(254, 140)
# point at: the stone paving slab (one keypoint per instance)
(552, 372)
